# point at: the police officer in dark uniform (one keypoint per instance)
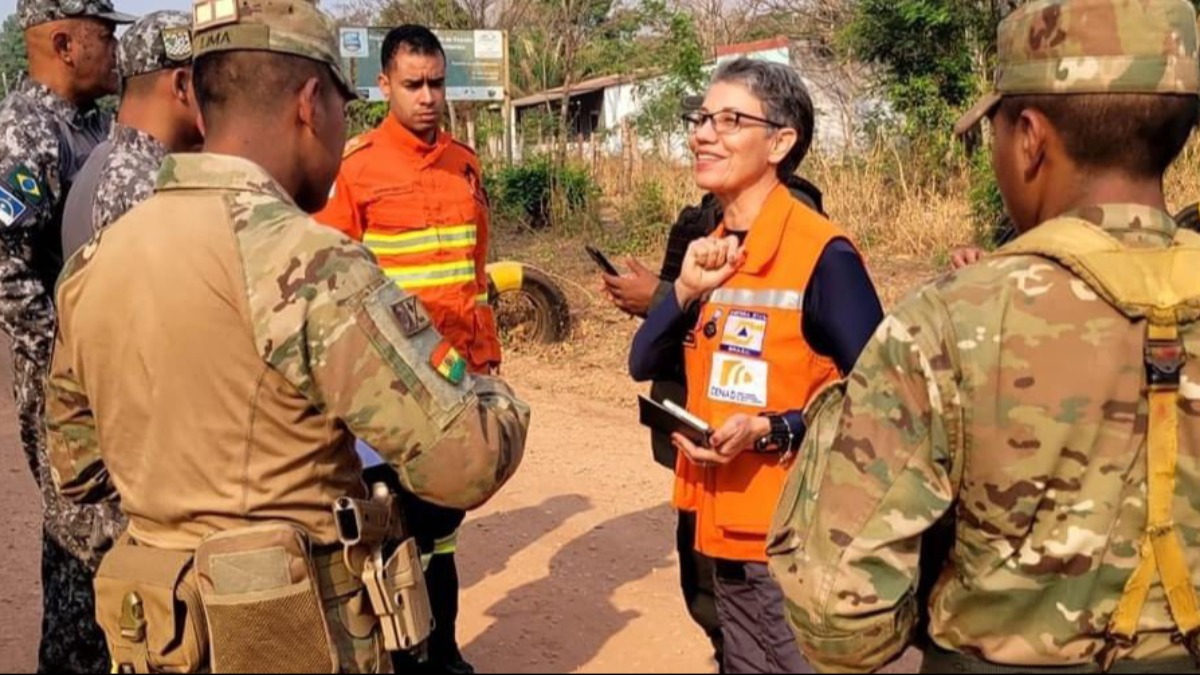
(51, 124)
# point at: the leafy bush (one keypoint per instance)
(363, 116)
(540, 193)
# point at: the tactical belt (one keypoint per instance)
(942, 661)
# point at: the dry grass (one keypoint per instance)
(1183, 180)
(905, 225)
(886, 210)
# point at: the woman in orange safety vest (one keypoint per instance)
(772, 307)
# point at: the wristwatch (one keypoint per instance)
(780, 437)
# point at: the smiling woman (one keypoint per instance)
(754, 313)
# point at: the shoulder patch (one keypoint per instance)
(448, 363)
(355, 144)
(25, 183)
(411, 315)
(11, 208)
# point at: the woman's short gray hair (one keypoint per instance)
(785, 100)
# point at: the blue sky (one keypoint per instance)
(138, 7)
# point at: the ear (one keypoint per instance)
(385, 85)
(1034, 134)
(310, 103)
(62, 40)
(784, 141)
(181, 80)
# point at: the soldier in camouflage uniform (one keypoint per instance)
(214, 373)
(48, 125)
(158, 116)
(1038, 408)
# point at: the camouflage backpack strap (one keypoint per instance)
(1155, 283)
(1161, 287)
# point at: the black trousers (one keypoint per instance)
(697, 577)
(72, 641)
(757, 636)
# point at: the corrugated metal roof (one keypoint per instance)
(578, 89)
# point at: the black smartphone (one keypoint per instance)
(603, 261)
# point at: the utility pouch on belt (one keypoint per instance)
(399, 596)
(148, 604)
(263, 603)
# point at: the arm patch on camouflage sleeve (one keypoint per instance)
(406, 345)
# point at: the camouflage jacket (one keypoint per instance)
(1005, 401)
(224, 379)
(128, 175)
(44, 140)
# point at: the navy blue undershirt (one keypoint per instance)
(840, 314)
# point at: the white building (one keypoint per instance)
(602, 109)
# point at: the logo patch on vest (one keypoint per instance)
(745, 333)
(738, 380)
(11, 208)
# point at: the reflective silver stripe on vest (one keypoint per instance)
(771, 299)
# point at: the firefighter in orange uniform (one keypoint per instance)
(415, 197)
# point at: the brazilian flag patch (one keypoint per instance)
(26, 183)
(449, 363)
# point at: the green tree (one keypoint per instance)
(936, 54)
(680, 55)
(13, 60)
(445, 14)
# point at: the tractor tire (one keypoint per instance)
(529, 306)
(1189, 218)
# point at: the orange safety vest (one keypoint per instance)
(422, 210)
(747, 354)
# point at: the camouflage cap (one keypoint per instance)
(295, 27)
(155, 42)
(1093, 47)
(36, 12)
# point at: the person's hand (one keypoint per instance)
(709, 263)
(737, 435)
(965, 256)
(632, 293)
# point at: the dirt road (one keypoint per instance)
(571, 569)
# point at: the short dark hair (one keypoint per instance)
(785, 100)
(233, 81)
(140, 86)
(413, 39)
(1139, 134)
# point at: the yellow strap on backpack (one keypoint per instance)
(1161, 548)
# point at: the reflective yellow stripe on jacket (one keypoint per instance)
(460, 239)
(426, 276)
(422, 241)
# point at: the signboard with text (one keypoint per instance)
(476, 62)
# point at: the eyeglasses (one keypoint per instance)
(726, 121)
